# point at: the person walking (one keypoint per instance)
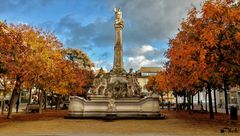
(7, 102)
(169, 104)
(17, 106)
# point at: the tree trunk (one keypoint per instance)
(184, 100)
(45, 98)
(206, 105)
(3, 104)
(30, 96)
(176, 103)
(192, 103)
(51, 100)
(215, 99)
(57, 103)
(39, 95)
(18, 101)
(162, 101)
(225, 95)
(210, 102)
(189, 102)
(198, 94)
(14, 93)
(15, 89)
(40, 101)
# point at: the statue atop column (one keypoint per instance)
(117, 83)
(118, 67)
(118, 18)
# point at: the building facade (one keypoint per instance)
(144, 73)
(233, 96)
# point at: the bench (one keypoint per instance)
(32, 108)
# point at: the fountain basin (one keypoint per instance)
(121, 108)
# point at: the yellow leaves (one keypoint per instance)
(37, 57)
(158, 83)
(7, 84)
(59, 89)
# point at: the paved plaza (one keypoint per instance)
(176, 124)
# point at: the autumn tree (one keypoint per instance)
(82, 75)
(28, 56)
(13, 53)
(222, 38)
(5, 82)
(82, 81)
(45, 51)
(78, 57)
(205, 51)
(7, 85)
(152, 84)
(158, 84)
(163, 84)
(33, 58)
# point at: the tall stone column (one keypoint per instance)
(118, 66)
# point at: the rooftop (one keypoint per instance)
(150, 69)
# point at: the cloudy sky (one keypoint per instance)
(88, 25)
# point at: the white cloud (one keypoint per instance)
(102, 64)
(144, 55)
(140, 61)
(23, 23)
(96, 69)
(146, 48)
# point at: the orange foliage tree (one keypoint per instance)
(33, 58)
(152, 84)
(45, 52)
(13, 57)
(206, 48)
(82, 75)
(158, 84)
(5, 81)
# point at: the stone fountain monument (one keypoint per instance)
(116, 93)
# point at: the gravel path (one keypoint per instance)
(74, 127)
(172, 126)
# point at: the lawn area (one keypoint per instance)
(176, 124)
